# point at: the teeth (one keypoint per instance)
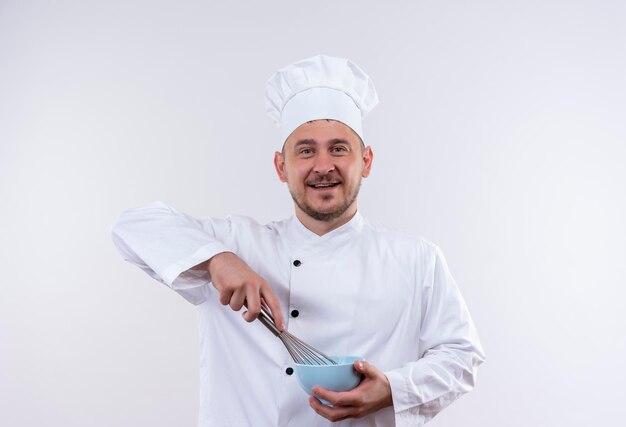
(324, 185)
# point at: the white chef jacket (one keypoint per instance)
(361, 289)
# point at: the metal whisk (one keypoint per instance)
(300, 352)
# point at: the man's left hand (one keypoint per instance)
(372, 394)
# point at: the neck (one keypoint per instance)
(322, 227)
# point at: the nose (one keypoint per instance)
(323, 164)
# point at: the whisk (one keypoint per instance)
(301, 352)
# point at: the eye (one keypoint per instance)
(338, 149)
(306, 151)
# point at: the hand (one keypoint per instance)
(239, 285)
(372, 394)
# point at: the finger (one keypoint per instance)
(336, 399)
(237, 299)
(332, 413)
(274, 304)
(253, 302)
(225, 297)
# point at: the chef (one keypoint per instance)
(329, 276)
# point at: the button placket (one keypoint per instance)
(295, 313)
(296, 282)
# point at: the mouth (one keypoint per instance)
(324, 185)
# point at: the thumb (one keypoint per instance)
(362, 367)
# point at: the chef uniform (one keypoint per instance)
(362, 289)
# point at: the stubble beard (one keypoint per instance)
(327, 216)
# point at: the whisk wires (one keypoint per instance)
(301, 352)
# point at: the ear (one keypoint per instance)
(368, 158)
(279, 164)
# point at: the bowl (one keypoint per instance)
(340, 377)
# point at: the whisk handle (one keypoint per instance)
(268, 321)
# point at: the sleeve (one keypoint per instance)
(450, 351)
(167, 244)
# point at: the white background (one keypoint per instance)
(500, 136)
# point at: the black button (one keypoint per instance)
(297, 263)
(289, 371)
(295, 313)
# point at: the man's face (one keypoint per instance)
(323, 162)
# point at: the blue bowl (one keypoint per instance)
(340, 377)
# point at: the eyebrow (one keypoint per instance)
(314, 142)
(305, 142)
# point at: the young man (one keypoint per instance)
(328, 275)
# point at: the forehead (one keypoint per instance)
(321, 132)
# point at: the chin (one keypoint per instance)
(325, 210)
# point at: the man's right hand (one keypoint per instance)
(239, 285)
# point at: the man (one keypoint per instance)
(328, 275)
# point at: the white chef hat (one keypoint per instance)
(320, 87)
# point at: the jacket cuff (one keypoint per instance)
(178, 276)
(402, 392)
(406, 410)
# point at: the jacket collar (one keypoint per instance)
(300, 236)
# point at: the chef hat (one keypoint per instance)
(320, 87)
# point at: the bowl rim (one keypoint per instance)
(356, 358)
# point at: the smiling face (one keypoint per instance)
(323, 162)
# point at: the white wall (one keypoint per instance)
(500, 136)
